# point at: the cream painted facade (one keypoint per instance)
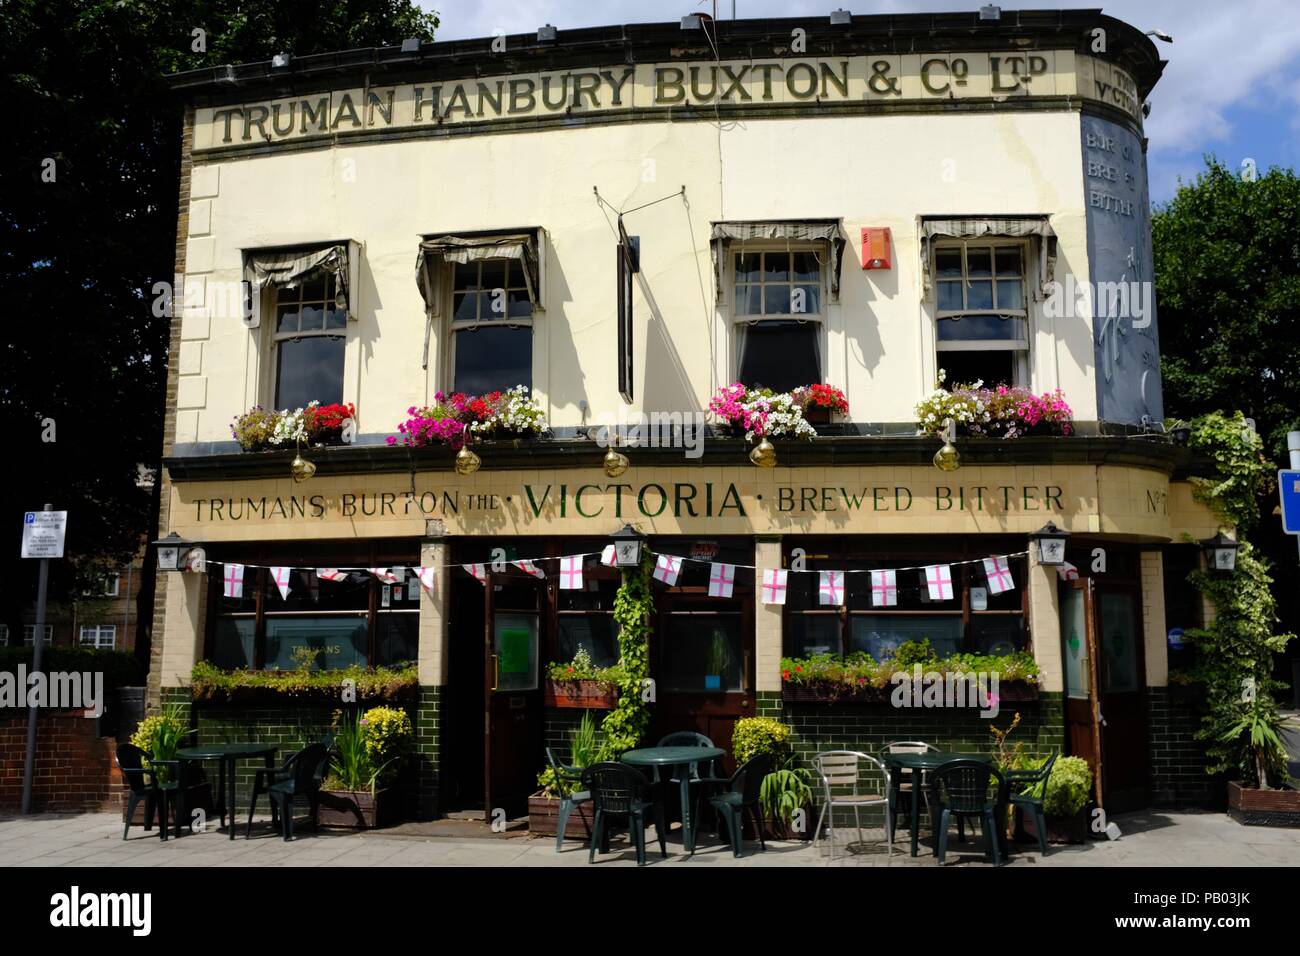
(868, 170)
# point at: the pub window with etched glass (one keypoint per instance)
(491, 327)
(974, 621)
(321, 625)
(982, 316)
(778, 312)
(309, 341)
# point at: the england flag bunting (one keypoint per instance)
(478, 571)
(938, 579)
(281, 578)
(884, 588)
(831, 588)
(999, 575)
(667, 567)
(387, 575)
(233, 580)
(607, 556)
(1067, 571)
(331, 574)
(571, 573)
(774, 585)
(428, 579)
(529, 568)
(722, 578)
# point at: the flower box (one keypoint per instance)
(544, 816)
(359, 809)
(1008, 691)
(585, 694)
(1263, 808)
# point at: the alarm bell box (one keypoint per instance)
(876, 248)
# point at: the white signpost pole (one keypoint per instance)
(38, 638)
(1293, 446)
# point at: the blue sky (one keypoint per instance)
(1232, 86)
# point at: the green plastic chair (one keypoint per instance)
(1023, 790)
(145, 785)
(300, 776)
(961, 791)
(738, 795)
(568, 802)
(618, 790)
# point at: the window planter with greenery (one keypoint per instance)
(370, 751)
(210, 684)
(858, 678)
(1234, 662)
(454, 418)
(580, 684)
(1003, 411)
(262, 429)
(742, 411)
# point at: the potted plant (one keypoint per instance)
(719, 658)
(1068, 790)
(369, 751)
(160, 735)
(453, 418)
(326, 423)
(544, 806)
(581, 684)
(821, 404)
(1262, 805)
(785, 791)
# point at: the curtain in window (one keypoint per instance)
(780, 354)
(803, 230)
(1026, 227)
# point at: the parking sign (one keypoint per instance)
(1288, 490)
(43, 533)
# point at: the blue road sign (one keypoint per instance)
(1288, 489)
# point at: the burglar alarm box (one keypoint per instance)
(876, 251)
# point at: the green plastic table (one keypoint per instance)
(919, 763)
(684, 759)
(228, 755)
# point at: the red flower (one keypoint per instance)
(785, 675)
(798, 667)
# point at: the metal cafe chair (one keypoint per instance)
(903, 780)
(841, 787)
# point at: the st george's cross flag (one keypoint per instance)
(428, 579)
(667, 567)
(281, 578)
(478, 571)
(884, 588)
(607, 556)
(233, 580)
(331, 574)
(529, 568)
(722, 578)
(999, 575)
(830, 590)
(387, 575)
(938, 579)
(774, 585)
(571, 572)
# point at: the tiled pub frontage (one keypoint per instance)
(481, 582)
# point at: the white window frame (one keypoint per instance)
(112, 584)
(821, 251)
(97, 632)
(455, 326)
(272, 339)
(1020, 347)
(29, 635)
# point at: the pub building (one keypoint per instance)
(626, 220)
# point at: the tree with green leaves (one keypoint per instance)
(89, 185)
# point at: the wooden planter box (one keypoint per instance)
(1263, 808)
(1009, 691)
(544, 816)
(586, 694)
(359, 809)
(1073, 829)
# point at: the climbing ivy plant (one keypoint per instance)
(1235, 652)
(625, 725)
